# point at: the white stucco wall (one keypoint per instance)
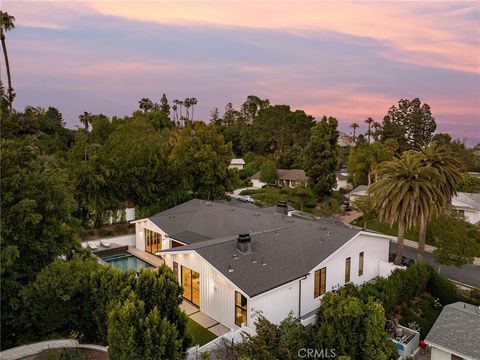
(217, 293)
(438, 354)
(472, 217)
(140, 225)
(257, 183)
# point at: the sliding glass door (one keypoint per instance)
(191, 285)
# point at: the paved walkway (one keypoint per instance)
(153, 260)
(204, 320)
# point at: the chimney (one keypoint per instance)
(282, 208)
(244, 244)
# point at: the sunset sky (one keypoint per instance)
(351, 60)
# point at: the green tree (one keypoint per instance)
(322, 157)
(406, 193)
(164, 105)
(469, 184)
(7, 24)
(457, 241)
(202, 156)
(411, 124)
(268, 172)
(352, 327)
(276, 127)
(272, 341)
(448, 167)
(36, 222)
(303, 192)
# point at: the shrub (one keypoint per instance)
(105, 232)
(120, 229)
(67, 354)
(443, 289)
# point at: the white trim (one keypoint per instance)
(450, 351)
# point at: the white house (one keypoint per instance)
(342, 180)
(235, 261)
(360, 192)
(285, 178)
(236, 164)
(456, 333)
(467, 205)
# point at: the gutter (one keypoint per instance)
(300, 296)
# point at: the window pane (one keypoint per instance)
(323, 280)
(316, 291)
(360, 264)
(240, 316)
(347, 270)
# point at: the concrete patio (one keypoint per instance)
(204, 320)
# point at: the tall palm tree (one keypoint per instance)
(86, 120)
(175, 114)
(449, 168)
(145, 104)
(376, 126)
(7, 24)
(406, 193)
(187, 105)
(193, 102)
(369, 122)
(354, 126)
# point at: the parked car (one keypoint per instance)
(246, 198)
(406, 261)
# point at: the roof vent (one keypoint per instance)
(244, 243)
(230, 268)
(264, 262)
(282, 208)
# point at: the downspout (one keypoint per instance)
(300, 296)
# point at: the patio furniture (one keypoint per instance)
(105, 243)
(92, 245)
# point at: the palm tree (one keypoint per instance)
(369, 122)
(193, 102)
(86, 120)
(145, 104)
(7, 24)
(354, 126)
(406, 193)
(175, 114)
(449, 167)
(187, 104)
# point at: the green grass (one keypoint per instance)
(374, 224)
(200, 335)
(269, 196)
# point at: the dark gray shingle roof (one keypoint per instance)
(283, 248)
(458, 329)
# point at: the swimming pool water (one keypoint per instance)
(125, 261)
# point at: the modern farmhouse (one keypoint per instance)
(234, 261)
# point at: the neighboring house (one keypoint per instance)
(342, 180)
(236, 164)
(467, 205)
(474, 174)
(456, 333)
(359, 192)
(285, 178)
(234, 261)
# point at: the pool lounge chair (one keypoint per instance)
(92, 245)
(105, 243)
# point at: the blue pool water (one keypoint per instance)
(125, 261)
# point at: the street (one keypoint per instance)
(467, 274)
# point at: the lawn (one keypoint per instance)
(269, 196)
(374, 224)
(200, 335)
(422, 310)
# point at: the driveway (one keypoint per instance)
(236, 192)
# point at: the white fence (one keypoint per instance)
(386, 268)
(232, 337)
(129, 240)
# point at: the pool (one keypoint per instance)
(125, 261)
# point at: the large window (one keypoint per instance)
(361, 256)
(348, 263)
(153, 241)
(240, 309)
(191, 285)
(320, 282)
